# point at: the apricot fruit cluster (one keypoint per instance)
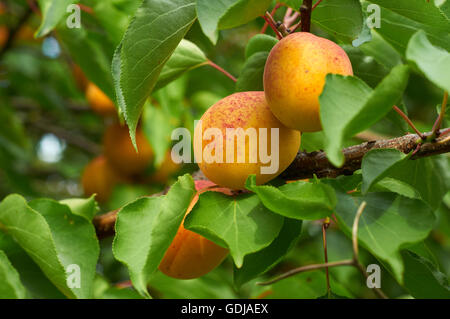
(119, 163)
(294, 77)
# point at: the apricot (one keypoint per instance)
(120, 152)
(99, 178)
(4, 33)
(99, 101)
(227, 158)
(191, 255)
(80, 79)
(294, 77)
(166, 170)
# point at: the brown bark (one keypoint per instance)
(306, 165)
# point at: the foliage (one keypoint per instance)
(156, 62)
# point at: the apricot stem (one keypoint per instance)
(437, 124)
(316, 4)
(273, 25)
(266, 24)
(410, 123)
(215, 66)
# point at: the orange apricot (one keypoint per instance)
(191, 255)
(99, 101)
(120, 152)
(99, 178)
(294, 77)
(239, 136)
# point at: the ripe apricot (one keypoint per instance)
(120, 152)
(294, 77)
(99, 178)
(191, 255)
(99, 101)
(166, 170)
(4, 33)
(80, 79)
(239, 132)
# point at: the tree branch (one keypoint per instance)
(13, 32)
(306, 165)
(305, 14)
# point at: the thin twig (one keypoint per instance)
(14, 31)
(356, 261)
(266, 24)
(68, 136)
(407, 119)
(215, 66)
(32, 5)
(325, 225)
(295, 271)
(355, 230)
(290, 17)
(273, 25)
(316, 4)
(438, 123)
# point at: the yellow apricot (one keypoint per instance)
(99, 178)
(99, 101)
(191, 255)
(249, 152)
(120, 152)
(294, 77)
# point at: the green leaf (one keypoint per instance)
(187, 57)
(349, 106)
(146, 227)
(341, 18)
(209, 14)
(400, 19)
(113, 20)
(251, 77)
(37, 284)
(429, 176)
(389, 223)
(307, 285)
(241, 223)
(381, 51)
(92, 51)
(52, 235)
(52, 12)
(243, 11)
(225, 14)
(431, 60)
(147, 45)
(86, 208)
(213, 285)
(259, 43)
(365, 67)
(11, 287)
(377, 164)
(423, 280)
(262, 261)
(298, 200)
(158, 129)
